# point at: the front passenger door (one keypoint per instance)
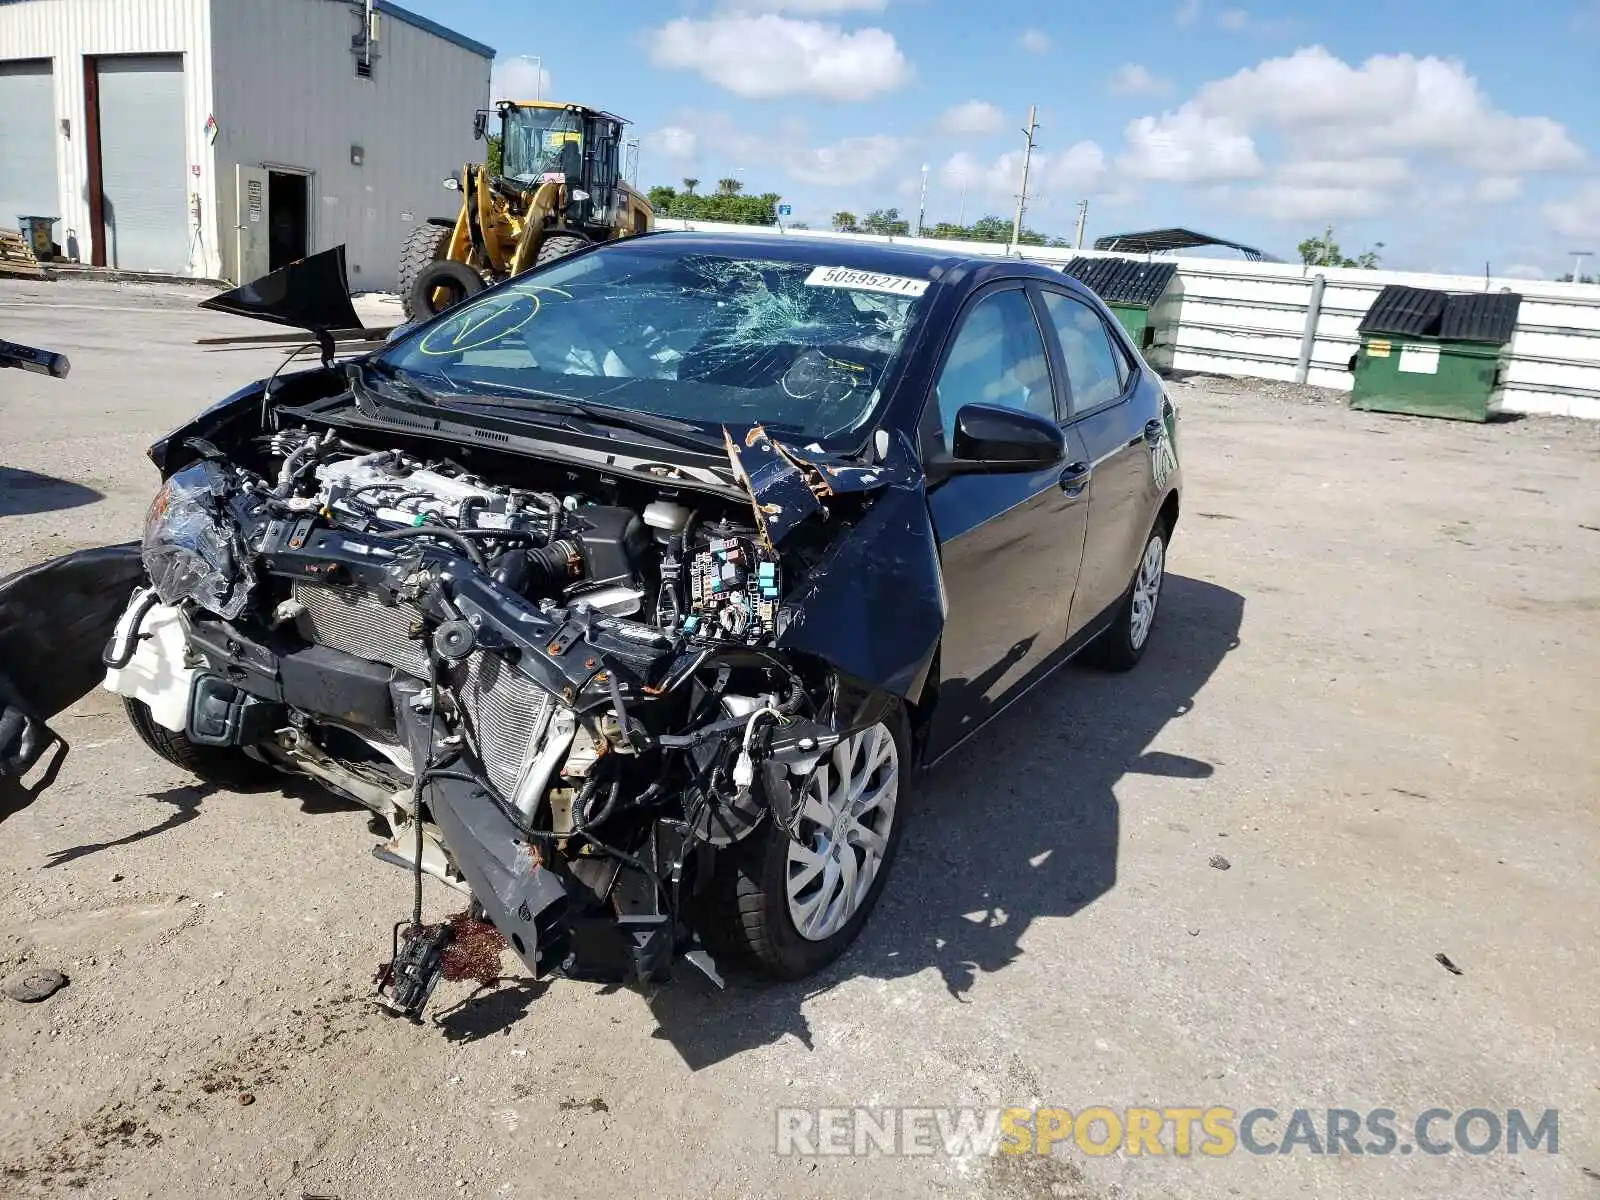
(1010, 543)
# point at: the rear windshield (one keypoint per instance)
(704, 337)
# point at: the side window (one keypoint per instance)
(1096, 368)
(998, 358)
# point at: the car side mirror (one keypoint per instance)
(990, 440)
(480, 124)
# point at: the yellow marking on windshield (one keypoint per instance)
(467, 324)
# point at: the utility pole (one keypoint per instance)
(1577, 263)
(1083, 218)
(1027, 162)
(922, 202)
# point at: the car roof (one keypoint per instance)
(883, 257)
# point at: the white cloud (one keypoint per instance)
(675, 143)
(1578, 216)
(1035, 41)
(1187, 13)
(974, 117)
(1188, 146)
(847, 163)
(1132, 79)
(1080, 171)
(1343, 172)
(1296, 202)
(1497, 189)
(808, 6)
(1524, 271)
(1391, 103)
(765, 56)
(518, 79)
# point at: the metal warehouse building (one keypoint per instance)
(227, 137)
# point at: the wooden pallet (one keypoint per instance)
(16, 256)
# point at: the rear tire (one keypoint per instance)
(423, 247)
(221, 766)
(559, 245)
(1121, 646)
(765, 881)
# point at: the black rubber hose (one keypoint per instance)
(116, 661)
(444, 535)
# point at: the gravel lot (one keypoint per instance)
(1372, 692)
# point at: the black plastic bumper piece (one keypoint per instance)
(222, 715)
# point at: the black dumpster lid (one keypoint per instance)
(1463, 316)
(1123, 280)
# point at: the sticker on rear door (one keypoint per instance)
(866, 281)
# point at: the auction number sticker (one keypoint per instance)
(866, 281)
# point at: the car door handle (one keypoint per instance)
(1153, 429)
(1075, 478)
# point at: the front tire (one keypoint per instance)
(559, 245)
(1121, 646)
(221, 766)
(790, 906)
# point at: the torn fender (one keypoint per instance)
(874, 605)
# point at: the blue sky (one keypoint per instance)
(1450, 132)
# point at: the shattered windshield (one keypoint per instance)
(703, 337)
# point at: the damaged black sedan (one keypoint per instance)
(629, 593)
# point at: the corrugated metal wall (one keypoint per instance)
(68, 30)
(1242, 318)
(287, 94)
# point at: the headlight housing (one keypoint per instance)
(192, 546)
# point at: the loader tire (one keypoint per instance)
(422, 248)
(455, 279)
(223, 767)
(559, 245)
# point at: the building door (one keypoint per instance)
(27, 142)
(254, 252)
(287, 217)
(143, 214)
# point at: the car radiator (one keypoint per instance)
(507, 712)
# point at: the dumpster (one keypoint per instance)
(1432, 353)
(1130, 288)
(39, 233)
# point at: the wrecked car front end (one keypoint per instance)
(576, 693)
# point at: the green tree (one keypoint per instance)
(720, 206)
(689, 184)
(1325, 252)
(844, 221)
(661, 197)
(729, 186)
(492, 158)
(1567, 278)
(886, 221)
(991, 229)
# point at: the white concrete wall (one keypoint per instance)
(66, 31)
(287, 94)
(1241, 318)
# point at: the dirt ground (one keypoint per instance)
(1372, 694)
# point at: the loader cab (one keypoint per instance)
(544, 141)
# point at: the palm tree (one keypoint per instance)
(845, 221)
(729, 186)
(689, 185)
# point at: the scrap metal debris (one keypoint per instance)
(1443, 960)
(1220, 863)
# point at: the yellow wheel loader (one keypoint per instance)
(559, 189)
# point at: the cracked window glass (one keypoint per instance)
(705, 337)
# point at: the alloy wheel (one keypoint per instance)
(845, 822)
(1147, 591)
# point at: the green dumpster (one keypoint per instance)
(1130, 289)
(1432, 353)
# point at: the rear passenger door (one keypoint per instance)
(1010, 543)
(1103, 412)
